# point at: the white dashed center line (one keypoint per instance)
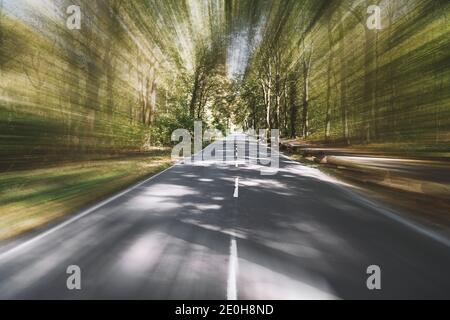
(232, 271)
(233, 260)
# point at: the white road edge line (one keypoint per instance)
(236, 188)
(435, 235)
(88, 211)
(232, 271)
(79, 216)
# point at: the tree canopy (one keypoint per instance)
(137, 70)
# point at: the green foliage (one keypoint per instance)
(121, 83)
(137, 70)
(342, 82)
(31, 198)
(164, 125)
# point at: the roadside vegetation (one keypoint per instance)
(320, 74)
(31, 198)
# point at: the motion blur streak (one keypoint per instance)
(359, 89)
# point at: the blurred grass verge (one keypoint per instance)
(32, 198)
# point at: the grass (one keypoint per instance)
(32, 198)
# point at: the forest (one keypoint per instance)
(136, 70)
(352, 203)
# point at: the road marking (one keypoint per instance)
(78, 216)
(232, 271)
(88, 211)
(236, 188)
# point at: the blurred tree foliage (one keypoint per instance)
(321, 73)
(136, 70)
(133, 72)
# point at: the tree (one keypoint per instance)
(306, 59)
(329, 75)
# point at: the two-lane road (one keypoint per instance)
(224, 231)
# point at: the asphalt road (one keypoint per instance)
(225, 231)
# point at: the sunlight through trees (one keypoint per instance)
(136, 70)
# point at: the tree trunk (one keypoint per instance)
(294, 109)
(277, 94)
(343, 85)
(330, 66)
(285, 109)
(269, 99)
(368, 83)
(305, 112)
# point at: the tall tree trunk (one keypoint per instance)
(305, 111)
(268, 96)
(294, 109)
(277, 93)
(306, 62)
(374, 110)
(285, 109)
(330, 66)
(343, 85)
(253, 106)
(391, 72)
(369, 82)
